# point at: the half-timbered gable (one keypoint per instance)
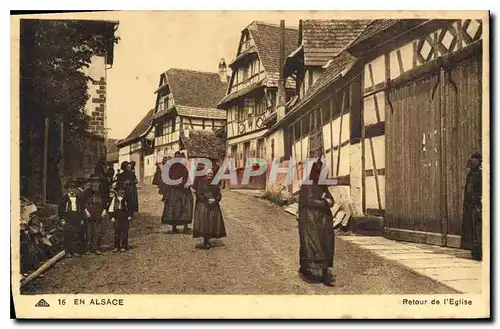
(252, 93)
(185, 100)
(138, 146)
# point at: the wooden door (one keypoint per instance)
(462, 133)
(413, 191)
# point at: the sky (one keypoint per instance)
(151, 42)
(155, 41)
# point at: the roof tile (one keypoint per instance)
(196, 89)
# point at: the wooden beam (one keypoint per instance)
(331, 132)
(375, 130)
(379, 200)
(340, 130)
(372, 78)
(400, 61)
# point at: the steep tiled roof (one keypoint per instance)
(324, 39)
(204, 144)
(341, 64)
(193, 112)
(139, 130)
(197, 112)
(266, 37)
(375, 27)
(195, 89)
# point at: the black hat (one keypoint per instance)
(81, 181)
(94, 178)
(72, 184)
(477, 155)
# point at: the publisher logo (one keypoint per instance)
(42, 303)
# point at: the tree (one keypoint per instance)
(53, 84)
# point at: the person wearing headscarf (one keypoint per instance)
(316, 230)
(471, 235)
(208, 221)
(128, 180)
(178, 208)
(158, 180)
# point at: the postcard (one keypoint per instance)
(250, 164)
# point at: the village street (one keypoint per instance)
(259, 256)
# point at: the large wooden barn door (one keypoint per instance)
(462, 134)
(413, 193)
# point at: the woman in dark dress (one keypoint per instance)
(178, 209)
(208, 222)
(472, 214)
(316, 230)
(127, 179)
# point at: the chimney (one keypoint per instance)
(223, 70)
(280, 111)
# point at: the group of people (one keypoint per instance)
(180, 207)
(88, 202)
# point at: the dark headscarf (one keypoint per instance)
(124, 165)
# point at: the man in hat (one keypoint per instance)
(71, 214)
(83, 191)
(95, 209)
(120, 216)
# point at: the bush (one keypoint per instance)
(278, 194)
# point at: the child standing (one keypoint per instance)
(71, 214)
(120, 216)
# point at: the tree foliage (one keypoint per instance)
(54, 67)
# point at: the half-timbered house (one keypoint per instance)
(420, 122)
(402, 104)
(138, 146)
(318, 120)
(253, 92)
(187, 100)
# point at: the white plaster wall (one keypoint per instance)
(149, 165)
(356, 179)
(370, 115)
(123, 154)
(279, 147)
(379, 151)
(345, 129)
(96, 70)
(371, 192)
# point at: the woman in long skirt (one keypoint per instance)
(128, 179)
(208, 222)
(472, 213)
(178, 208)
(316, 230)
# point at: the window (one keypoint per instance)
(169, 101)
(245, 73)
(242, 113)
(250, 106)
(261, 148)
(161, 103)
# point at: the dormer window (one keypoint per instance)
(246, 42)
